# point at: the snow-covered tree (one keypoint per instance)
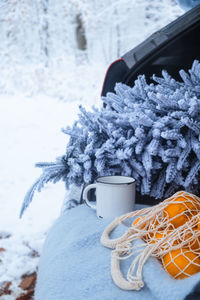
(40, 39)
(46, 28)
(149, 131)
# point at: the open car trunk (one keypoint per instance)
(172, 48)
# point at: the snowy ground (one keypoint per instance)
(30, 130)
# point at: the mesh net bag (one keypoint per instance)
(170, 231)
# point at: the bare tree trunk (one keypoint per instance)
(44, 35)
(80, 34)
(118, 33)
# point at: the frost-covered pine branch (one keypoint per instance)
(148, 131)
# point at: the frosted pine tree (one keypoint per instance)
(149, 131)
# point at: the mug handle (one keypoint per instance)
(85, 193)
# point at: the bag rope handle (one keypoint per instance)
(112, 243)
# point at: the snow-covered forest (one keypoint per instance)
(43, 41)
(53, 56)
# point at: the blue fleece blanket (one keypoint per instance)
(75, 266)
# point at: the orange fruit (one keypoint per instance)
(158, 236)
(136, 221)
(159, 223)
(182, 209)
(192, 242)
(154, 223)
(181, 263)
(198, 225)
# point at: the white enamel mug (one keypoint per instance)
(115, 196)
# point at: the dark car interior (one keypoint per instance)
(172, 48)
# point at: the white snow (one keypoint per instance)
(30, 128)
(35, 103)
(31, 132)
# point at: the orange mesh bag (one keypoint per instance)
(170, 232)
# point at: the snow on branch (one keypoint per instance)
(150, 132)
